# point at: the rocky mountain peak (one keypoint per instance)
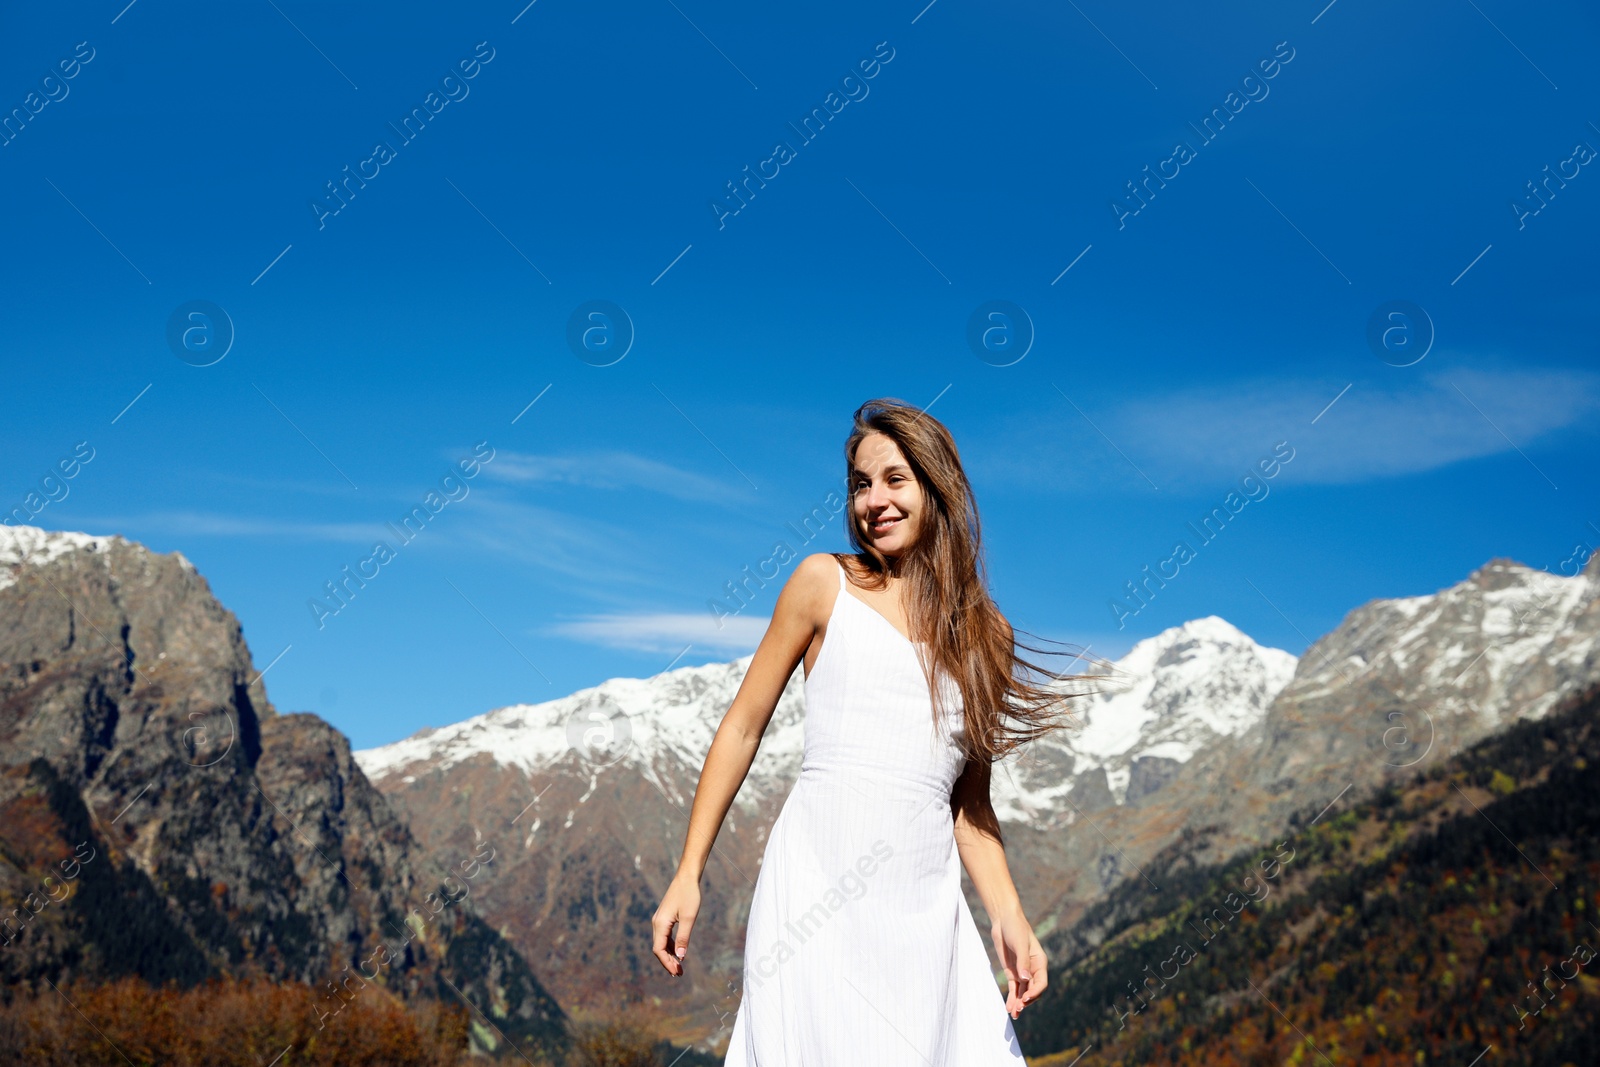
(1506, 639)
(22, 545)
(1401, 684)
(227, 840)
(139, 615)
(1500, 573)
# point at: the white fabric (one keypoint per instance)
(860, 947)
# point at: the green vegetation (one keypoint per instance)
(1415, 926)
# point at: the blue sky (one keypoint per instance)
(1367, 155)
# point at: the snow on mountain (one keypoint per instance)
(1181, 689)
(1198, 729)
(1400, 681)
(1190, 682)
(29, 545)
(597, 787)
(1173, 694)
(660, 727)
(1497, 636)
(1508, 642)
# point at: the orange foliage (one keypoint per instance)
(603, 1044)
(227, 1023)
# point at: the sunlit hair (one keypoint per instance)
(947, 599)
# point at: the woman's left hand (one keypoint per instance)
(1027, 970)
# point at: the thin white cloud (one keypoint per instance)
(1407, 422)
(585, 548)
(214, 524)
(667, 633)
(1373, 431)
(611, 470)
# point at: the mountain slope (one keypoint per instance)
(1404, 683)
(1450, 912)
(598, 786)
(204, 833)
(1204, 737)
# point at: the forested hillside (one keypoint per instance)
(1446, 914)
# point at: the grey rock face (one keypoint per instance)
(227, 839)
(1403, 683)
(1149, 774)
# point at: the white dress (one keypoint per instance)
(860, 949)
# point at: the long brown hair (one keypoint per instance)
(947, 598)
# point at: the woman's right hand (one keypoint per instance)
(680, 904)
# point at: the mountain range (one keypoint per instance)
(1199, 735)
(511, 862)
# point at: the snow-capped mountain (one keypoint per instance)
(1508, 642)
(1197, 728)
(1171, 696)
(1403, 683)
(597, 787)
(1200, 737)
(22, 546)
(650, 727)
(1180, 691)
(1399, 686)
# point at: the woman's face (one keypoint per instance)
(885, 497)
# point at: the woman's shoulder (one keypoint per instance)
(821, 568)
(811, 587)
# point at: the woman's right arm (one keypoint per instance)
(802, 607)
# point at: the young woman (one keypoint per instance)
(860, 947)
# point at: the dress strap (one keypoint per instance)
(836, 563)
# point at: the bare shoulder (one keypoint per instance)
(816, 575)
(821, 564)
(809, 590)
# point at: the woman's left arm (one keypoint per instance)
(977, 833)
